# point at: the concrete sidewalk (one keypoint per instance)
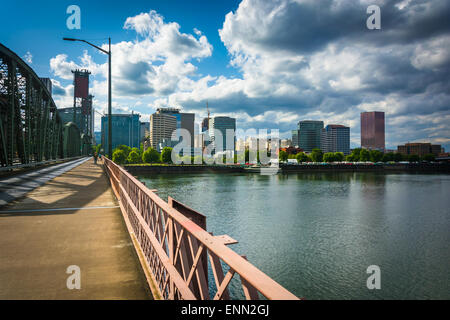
(70, 220)
(16, 186)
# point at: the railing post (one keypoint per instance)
(171, 256)
(177, 259)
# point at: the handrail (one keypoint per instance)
(176, 248)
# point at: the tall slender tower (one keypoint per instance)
(373, 130)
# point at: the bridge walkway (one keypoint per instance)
(15, 186)
(72, 219)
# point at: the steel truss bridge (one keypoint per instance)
(31, 129)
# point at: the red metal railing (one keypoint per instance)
(176, 250)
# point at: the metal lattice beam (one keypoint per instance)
(31, 129)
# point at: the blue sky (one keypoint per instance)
(267, 63)
(42, 26)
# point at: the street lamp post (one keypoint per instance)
(109, 88)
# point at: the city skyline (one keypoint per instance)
(240, 70)
(250, 151)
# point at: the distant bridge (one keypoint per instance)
(31, 130)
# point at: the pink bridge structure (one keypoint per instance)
(176, 252)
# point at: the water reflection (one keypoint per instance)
(316, 233)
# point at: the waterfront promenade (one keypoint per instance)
(72, 219)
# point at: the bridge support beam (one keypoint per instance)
(31, 129)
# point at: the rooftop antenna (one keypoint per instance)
(207, 109)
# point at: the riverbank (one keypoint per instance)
(177, 169)
(443, 168)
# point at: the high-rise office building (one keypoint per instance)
(240, 144)
(420, 149)
(144, 131)
(223, 124)
(198, 141)
(205, 124)
(285, 143)
(335, 138)
(372, 130)
(309, 134)
(161, 128)
(125, 130)
(295, 142)
(98, 137)
(184, 120)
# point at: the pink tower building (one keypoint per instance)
(372, 130)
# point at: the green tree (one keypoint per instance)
(283, 156)
(134, 157)
(364, 155)
(97, 148)
(339, 156)
(240, 157)
(328, 157)
(247, 156)
(356, 153)
(317, 155)
(302, 157)
(119, 157)
(429, 157)
(137, 151)
(151, 156)
(413, 158)
(375, 155)
(124, 148)
(198, 160)
(166, 155)
(186, 159)
(387, 157)
(398, 157)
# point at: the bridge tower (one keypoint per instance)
(82, 106)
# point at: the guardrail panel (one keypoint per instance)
(177, 249)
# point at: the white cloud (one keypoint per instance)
(298, 60)
(61, 67)
(432, 54)
(155, 64)
(28, 57)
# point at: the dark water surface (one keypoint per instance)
(316, 234)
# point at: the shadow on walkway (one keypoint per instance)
(38, 247)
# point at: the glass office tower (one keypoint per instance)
(125, 130)
(222, 124)
(336, 138)
(310, 134)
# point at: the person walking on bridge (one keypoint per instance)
(95, 157)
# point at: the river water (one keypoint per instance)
(316, 234)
